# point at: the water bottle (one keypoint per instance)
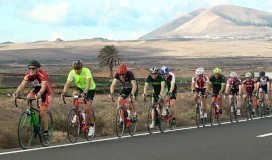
(163, 111)
(83, 117)
(35, 119)
(128, 114)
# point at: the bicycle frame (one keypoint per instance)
(214, 112)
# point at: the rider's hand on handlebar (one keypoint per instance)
(63, 94)
(38, 95)
(132, 96)
(84, 95)
(111, 95)
(15, 95)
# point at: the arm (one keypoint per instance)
(112, 87)
(223, 85)
(240, 90)
(66, 86)
(88, 85)
(43, 88)
(162, 88)
(227, 89)
(145, 87)
(134, 88)
(172, 87)
(21, 86)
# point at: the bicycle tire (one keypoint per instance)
(46, 142)
(163, 124)
(197, 116)
(25, 130)
(119, 127)
(132, 128)
(149, 119)
(232, 114)
(73, 126)
(88, 138)
(211, 114)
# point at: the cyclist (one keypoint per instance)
(158, 83)
(83, 79)
(218, 82)
(264, 86)
(170, 89)
(233, 88)
(42, 89)
(250, 87)
(129, 88)
(200, 83)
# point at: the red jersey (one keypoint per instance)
(249, 85)
(200, 82)
(36, 80)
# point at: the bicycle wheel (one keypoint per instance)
(248, 112)
(119, 125)
(73, 126)
(262, 110)
(197, 117)
(163, 123)
(25, 130)
(149, 119)
(212, 114)
(46, 142)
(132, 127)
(232, 113)
(88, 127)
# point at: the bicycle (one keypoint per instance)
(76, 120)
(30, 124)
(168, 117)
(155, 106)
(214, 110)
(233, 109)
(199, 111)
(249, 112)
(262, 106)
(123, 119)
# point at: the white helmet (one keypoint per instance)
(199, 70)
(233, 75)
(248, 75)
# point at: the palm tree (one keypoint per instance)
(108, 56)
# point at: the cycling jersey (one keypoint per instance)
(234, 85)
(263, 83)
(200, 83)
(156, 83)
(36, 81)
(168, 81)
(249, 85)
(81, 79)
(217, 83)
(125, 79)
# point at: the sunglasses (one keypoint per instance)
(153, 73)
(30, 68)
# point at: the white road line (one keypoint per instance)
(113, 138)
(264, 135)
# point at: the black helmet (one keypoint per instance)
(262, 73)
(77, 64)
(34, 63)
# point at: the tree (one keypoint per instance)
(108, 56)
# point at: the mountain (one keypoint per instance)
(180, 20)
(218, 21)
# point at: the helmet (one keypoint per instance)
(262, 73)
(233, 75)
(77, 64)
(122, 69)
(217, 70)
(34, 63)
(153, 69)
(164, 70)
(248, 75)
(199, 70)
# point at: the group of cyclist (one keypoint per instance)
(162, 80)
(233, 86)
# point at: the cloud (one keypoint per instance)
(49, 14)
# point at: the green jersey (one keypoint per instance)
(81, 79)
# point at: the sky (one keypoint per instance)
(36, 20)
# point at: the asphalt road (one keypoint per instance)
(236, 141)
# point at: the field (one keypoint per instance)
(181, 56)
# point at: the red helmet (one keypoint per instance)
(122, 69)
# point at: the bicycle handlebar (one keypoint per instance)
(74, 96)
(23, 98)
